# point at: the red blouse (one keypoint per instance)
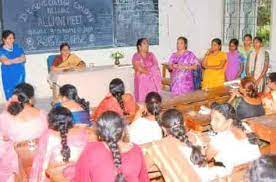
(96, 164)
(111, 104)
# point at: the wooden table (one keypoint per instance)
(197, 122)
(265, 128)
(192, 101)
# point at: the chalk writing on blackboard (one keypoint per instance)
(135, 19)
(43, 24)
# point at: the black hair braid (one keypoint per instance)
(119, 98)
(230, 113)
(196, 157)
(179, 133)
(113, 146)
(71, 93)
(82, 102)
(110, 127)
(65, 150)
(252, 137)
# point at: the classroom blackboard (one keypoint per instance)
(135, 19)
(42, 25)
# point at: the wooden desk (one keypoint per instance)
(192, 101)
(265, 128)
(198, 122)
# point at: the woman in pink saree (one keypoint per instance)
(59, 147)
(147, 73)
(182, 63)
(22, 125)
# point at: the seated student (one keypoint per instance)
(269, 96)
(214, 64)
(246, 101)
(111, 159)
(146, 128)
(22, 124)
(79, 107)
(233, 143)
(234, 65)
(60, 145)
(175, 155)
(117, 100)
(263, 169)
(66, 60)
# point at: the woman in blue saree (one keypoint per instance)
(79, 107)
(13, 60)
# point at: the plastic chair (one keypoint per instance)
(50, 61)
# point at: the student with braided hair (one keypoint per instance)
(111, 159)
(246, 100)
(70, 99)
(175, 155)
(145, 128)
(117, 100)
(60, 146)
(22, 124)
(233, 143)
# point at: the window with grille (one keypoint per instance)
(247, 16)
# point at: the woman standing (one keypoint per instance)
(258, 63)
(234, 66)
(214, 64)
(245, 51)
(13, 59)
(182, 63)
(147, 73)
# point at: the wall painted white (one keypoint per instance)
(198, 20)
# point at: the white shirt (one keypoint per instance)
(206, 173)
(232, 151)
(143, 131)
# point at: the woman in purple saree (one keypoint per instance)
(147, 73)
(182, 63)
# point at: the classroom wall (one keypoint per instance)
(198, 20)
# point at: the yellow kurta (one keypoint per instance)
(213, 78)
